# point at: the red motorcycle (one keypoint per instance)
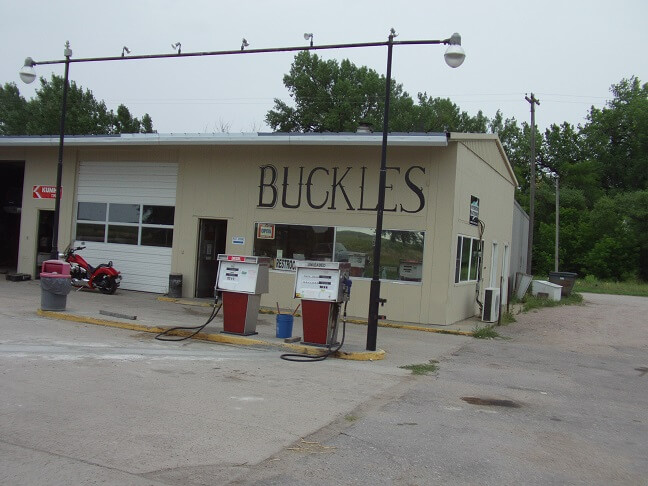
(103, 277)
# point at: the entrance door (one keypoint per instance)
(212, 238)
(11, 192)
(44, 245)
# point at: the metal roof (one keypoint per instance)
(316, 139)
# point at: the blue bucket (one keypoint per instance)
(284, 325)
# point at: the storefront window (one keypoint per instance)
(285, 243)
(401, 251)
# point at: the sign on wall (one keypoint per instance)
(474, 210)
(44, 192)
(266, 231)
(323, 188)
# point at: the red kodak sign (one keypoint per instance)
(44, 192)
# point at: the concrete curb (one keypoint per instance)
(216, 337)
(393, 325)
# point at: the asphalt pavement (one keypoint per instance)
(91, 398)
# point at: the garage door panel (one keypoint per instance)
(143, 268)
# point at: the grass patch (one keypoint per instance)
(422, 369)
(595, 286)
(350, 418)
(508, 318)
(530, 302)
(486, 332)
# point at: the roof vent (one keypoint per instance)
(364, 127)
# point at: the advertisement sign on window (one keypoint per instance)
(265, 231)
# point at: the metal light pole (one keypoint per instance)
(454, 57)
(54, 254)
(28, 75)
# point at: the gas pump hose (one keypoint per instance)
(309, 358)
(164, 336)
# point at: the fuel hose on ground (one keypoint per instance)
(165, 335)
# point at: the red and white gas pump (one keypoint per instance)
(242, 280)
(322, 288)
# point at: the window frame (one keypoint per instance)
(474, 259)
(140, 225)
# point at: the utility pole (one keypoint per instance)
(557, 223)
(532, 101)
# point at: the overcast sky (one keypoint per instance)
(567, 52)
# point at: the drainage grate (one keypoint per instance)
(491, 402)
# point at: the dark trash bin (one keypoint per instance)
(54, 290)
(565, 279)
(175, 285)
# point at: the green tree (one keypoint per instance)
(85, 114)
(13, 111)
(617, 136)
(336, 97)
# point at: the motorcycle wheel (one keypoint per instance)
(107, 285)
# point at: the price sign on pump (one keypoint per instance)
(320, 280)
(242, 274)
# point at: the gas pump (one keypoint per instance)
(322, 288)
(242, 280)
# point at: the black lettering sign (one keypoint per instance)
(269, 193)
(309, 184)
(415, 189)
(285, 184)
(262, 185)
(338, 183)
(391, 186)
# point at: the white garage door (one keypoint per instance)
(125, 213)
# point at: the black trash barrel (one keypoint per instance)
(175, 285)
(566, 279)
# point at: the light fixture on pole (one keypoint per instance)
(125, 50)
(308, 36)
(454, 57)
(177, 47)
(27, 73)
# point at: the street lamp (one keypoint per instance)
(454, 57)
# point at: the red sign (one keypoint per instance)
(235, 258)
(44, 192)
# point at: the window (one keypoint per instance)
(468, 259)
(401, 251)
(127, 224)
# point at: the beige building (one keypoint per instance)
(158, 205)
